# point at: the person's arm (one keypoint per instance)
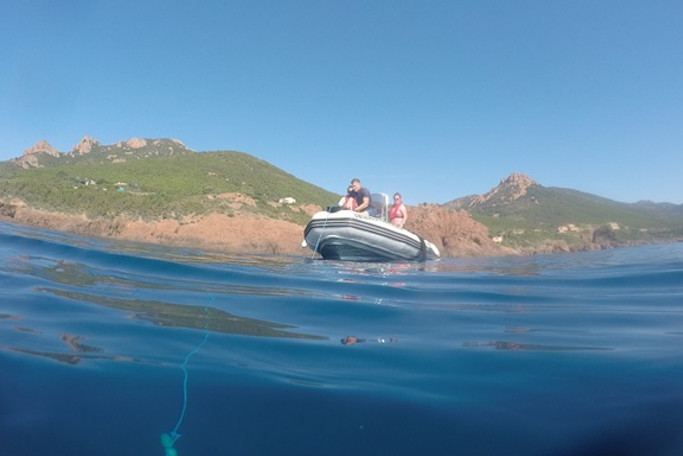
(366, 203)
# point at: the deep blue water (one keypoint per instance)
(106, 346)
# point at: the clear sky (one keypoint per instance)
(435, 99)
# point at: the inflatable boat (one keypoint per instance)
(347, 235)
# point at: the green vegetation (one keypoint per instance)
(156, 179)
(164, 187)
(546, 214)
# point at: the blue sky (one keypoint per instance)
(435, 99)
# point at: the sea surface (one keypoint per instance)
(119, 349)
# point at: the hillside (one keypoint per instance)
(522, 214)
(158, 190)
(152, 179)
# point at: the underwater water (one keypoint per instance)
(123, 349)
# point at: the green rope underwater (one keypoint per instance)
(168, 439)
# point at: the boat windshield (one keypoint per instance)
(380, 203)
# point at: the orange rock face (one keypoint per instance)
(455, 233)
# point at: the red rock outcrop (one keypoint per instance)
(510, 189)
(136, 143)
(31, 156)
(85, 146)
(455, 233)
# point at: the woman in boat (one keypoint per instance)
(398, 213)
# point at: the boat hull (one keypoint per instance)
(347, 235)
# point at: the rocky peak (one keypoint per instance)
(518, 182)
(85, 146)
(33, 155)
(510, 189)
(43, 147)
(136, 143)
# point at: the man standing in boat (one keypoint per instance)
(362, 195)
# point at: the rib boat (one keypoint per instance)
(338, 234)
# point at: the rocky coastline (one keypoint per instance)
(454, 232)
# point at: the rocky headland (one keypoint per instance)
(453, 232)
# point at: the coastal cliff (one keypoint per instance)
(454, 233)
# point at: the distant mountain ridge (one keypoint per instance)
(521, 213)
(519, 191)
(89, 150)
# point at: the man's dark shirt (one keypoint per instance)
(363, 192)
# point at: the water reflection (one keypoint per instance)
(509, 345)
(66, 272)
(78, 350)
(73, 342)
(353, 340)
(187, 316)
